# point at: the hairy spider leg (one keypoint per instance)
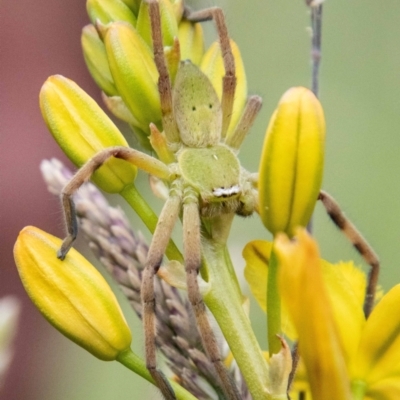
(164, 83)
(253, 104)
(141, 160)
(168, 217)
(250, 112)
(229, 79)
(192, 256)
(192, 234)
(360, 244)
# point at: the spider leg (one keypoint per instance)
(250, 112)
(141, 160)
(358, 241)
(162, 234)
(229, 79)
(164, 82)
(192, 255)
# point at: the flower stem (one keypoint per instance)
(149, 218)
(225, 302)
(358, 389)
(133, 362)
(273, 306)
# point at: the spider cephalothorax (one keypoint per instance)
(202, 173)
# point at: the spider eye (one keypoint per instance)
(210, 106)
(193, 108)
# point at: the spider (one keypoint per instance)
(205, 180)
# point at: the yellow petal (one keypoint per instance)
(302, 287)
(343, 284)
(292, 162)
(378, 354)
(386, 389)
(71, 294)
(257, 254)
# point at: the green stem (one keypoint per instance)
(273, 306)
(147, 215)
(225, 302)
(133, 362)
(358, 389)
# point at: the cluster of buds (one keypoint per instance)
(117, 47)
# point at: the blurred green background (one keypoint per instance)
(359, 90)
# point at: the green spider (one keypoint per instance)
(205, 180)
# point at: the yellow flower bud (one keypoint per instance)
(96, 60)
(169, 25)
(72, 295)
(292, 162)
(212, 65)
(107, 11)
(82, 129)
(191, 41)
(134, 72)
(178, 6)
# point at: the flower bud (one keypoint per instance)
(179, 7)
(191, 41)
(169, 27)
(213, 66)
(107, 11)
(134, 72)
(82, 129)
(292, 162)
(96, 60)
(133, 5)
(72, 295)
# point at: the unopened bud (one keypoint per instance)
(292, 160)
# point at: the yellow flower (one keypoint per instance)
(345, 356)
(346, 288)
(71, 294)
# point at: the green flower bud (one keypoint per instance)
(96, 60)
(169, 25)
(134, 72)
(133, 5)
(292, 162)
(191, 41)
(107, 11)
(82, 129)
(71, 294)
(213, 66)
